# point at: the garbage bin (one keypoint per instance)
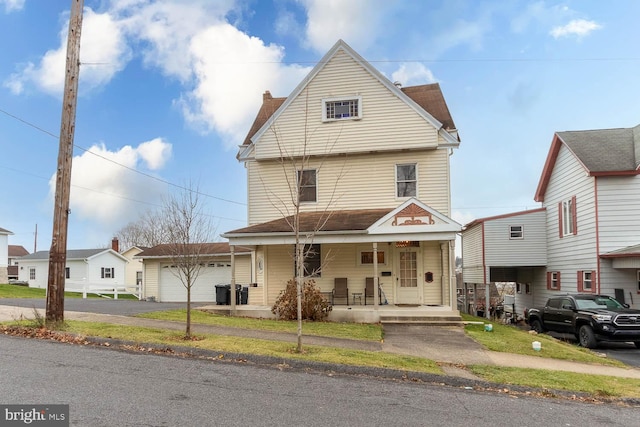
(222, 294)
(244, 295)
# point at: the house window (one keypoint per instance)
(518, 288)
(341, 108)
(312, 261)
(307, 185)
(553, 280)
(366, 257)
(567, 217)
(516, 232)
(586, 281)
(527, 287)
(638, 280)
(107, 273)
(32, 273)
(406, 180)
(138, 278)
(67, 273)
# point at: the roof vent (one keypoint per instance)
(397, 84)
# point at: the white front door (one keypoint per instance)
(407, 289)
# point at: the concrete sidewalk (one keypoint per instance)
(449, 346)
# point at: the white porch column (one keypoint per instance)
(487, 300)
(233, 281)
(453, 279)
(375, 277)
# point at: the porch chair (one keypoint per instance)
(368, 290)
(340, 290)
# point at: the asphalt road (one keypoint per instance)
(106, 387)
(99, 305)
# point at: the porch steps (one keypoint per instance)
(451, 320)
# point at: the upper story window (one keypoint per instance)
(406, 180)
(342, 108)
(516, 232)
(107, 273)
(567, 217)
(307, 185)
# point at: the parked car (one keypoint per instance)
(591, 318)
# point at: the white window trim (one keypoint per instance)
(511, 232)
(337, 99)
(568, 209)
(417, 180)
(584, 281)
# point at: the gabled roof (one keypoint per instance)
(73, 254)
(628, 252)
(427, 100)
(602, 152)
(206, 249)
(17, 251)
(4, 231)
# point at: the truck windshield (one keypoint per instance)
(602, 303)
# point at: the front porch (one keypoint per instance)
(416, 315)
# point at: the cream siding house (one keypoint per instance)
(372, 160)
(590, 193)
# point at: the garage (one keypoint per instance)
(171, 288)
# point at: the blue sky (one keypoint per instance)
(169, 88)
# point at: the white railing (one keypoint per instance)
(101, 289)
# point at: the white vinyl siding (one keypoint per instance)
(354, 182)
(387, 122)
(570, 253)
(151, 274)
(503, 251)
(472, 255)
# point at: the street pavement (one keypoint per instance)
(449, 346)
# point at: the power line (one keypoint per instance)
(46, 132)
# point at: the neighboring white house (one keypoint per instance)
(373, 160)
(90, 268)
(4, 254)
(590, 193)
(161, 284)
(134, 268)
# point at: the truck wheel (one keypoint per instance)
(536, 325)
(587, 337)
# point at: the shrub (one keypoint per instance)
(314, 305)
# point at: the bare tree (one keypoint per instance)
(295, 170)
(189, 232)
(147, 231)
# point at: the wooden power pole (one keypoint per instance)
(58, 252)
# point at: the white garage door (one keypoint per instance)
(172, 290)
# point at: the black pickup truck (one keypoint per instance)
(591, 318)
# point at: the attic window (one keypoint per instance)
(341, 108)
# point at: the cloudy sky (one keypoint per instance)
(169, 88)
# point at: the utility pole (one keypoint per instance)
(58, 252)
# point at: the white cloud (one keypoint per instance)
(413, 73)
(115, 191)
(11, 5)
(103, 53)
(232, 70)
(356, 21)
(578, 27)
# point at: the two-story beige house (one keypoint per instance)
(373, 162)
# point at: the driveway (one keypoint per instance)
(100, 305)
(626, 352)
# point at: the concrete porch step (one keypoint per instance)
(422, 320)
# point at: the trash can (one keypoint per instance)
(244, 295)
(222, 294)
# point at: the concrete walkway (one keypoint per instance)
(449, 346)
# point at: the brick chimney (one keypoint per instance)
(115, 245)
